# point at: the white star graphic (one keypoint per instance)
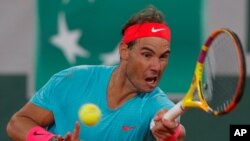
(67, 41)
(91, 1)
(66, 1)
(111, 58)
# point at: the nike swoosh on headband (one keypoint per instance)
(157, 30)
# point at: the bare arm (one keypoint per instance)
(27, 117)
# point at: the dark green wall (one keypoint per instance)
(248, 28)
(12, 97)
(201, 126)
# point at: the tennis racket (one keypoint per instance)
(219, 77)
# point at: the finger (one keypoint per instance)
(76, 131)
(161, 134)
(164, 124)
(164, 131)
(160, 114)
(161, 129)
(170, 125)
(68, 137)
(59, 138)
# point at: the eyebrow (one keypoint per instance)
(146, 48)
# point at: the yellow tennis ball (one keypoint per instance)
(89, 114)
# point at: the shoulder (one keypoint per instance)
(154, 101)
(159, 99)
(84, 70)
(157, 93)
(81, 74)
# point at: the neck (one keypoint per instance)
(120, 88)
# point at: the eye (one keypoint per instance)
(146, 54)
(164, 56)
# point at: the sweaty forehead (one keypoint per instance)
(154, 42)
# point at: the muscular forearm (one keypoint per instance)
(27, 117)
(19, 126)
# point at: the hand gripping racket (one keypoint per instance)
(219, 77)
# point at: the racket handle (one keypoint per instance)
(174, 112)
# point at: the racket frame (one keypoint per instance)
(196, 85)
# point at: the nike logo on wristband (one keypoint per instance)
(157, 30)
(37, 133)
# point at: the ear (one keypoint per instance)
(124, 51)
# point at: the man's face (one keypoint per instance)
(146, 62)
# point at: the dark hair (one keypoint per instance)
(148, 15)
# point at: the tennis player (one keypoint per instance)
(127, 94)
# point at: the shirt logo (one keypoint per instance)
(127, 128)
(157, 30)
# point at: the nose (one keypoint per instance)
(156, 65)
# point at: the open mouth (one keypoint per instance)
(151, 81)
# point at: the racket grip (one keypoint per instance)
(171, 114)
(174, 112)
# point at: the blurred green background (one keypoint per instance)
(28, 56)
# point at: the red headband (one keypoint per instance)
(146, 30)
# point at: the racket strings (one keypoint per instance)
(221, 73)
